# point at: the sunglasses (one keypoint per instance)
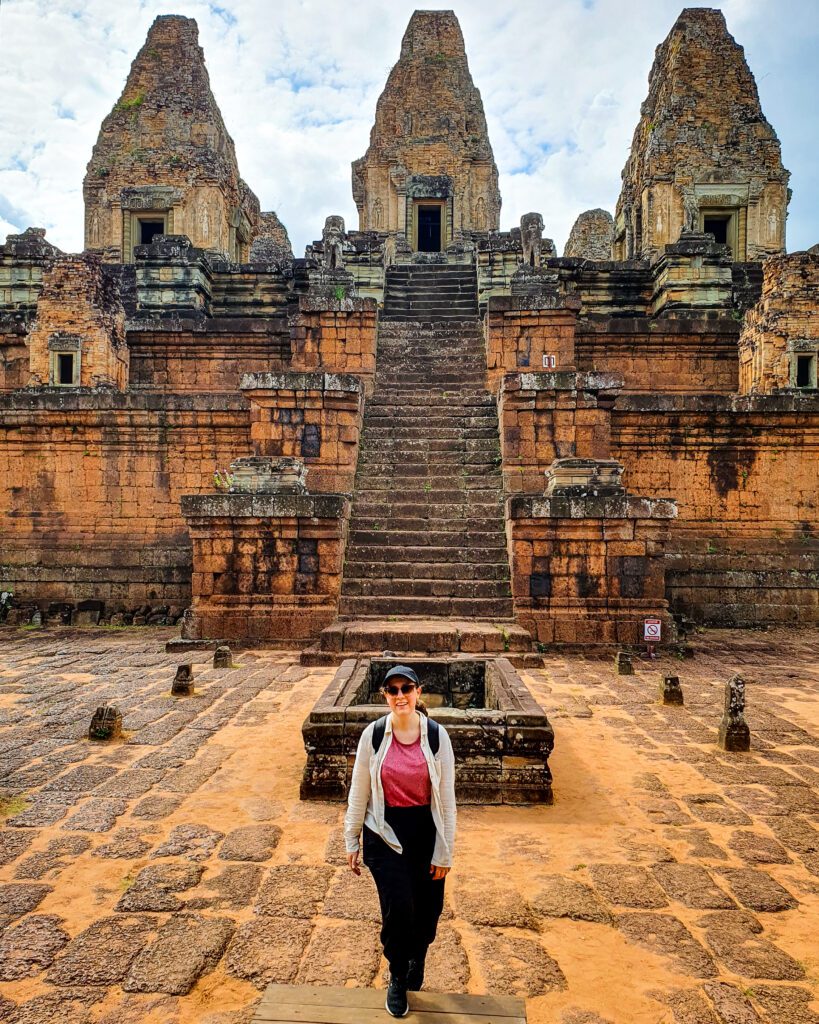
(393, 691)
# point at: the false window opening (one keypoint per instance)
(718, 227)
(806, 371)
(65, 368)
(148, 229)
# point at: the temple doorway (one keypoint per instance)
(429, 227)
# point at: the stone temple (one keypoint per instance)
(427, 434)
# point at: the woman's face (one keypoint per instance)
(402, 704)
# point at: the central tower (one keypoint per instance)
(429, 174)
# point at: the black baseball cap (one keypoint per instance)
(405, 672)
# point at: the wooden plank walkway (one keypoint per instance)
(312, 1004)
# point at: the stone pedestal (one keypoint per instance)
(266, 567)
(734, 731)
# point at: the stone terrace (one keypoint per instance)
(169, 876)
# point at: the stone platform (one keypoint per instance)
(311, 1004)
(416, 636)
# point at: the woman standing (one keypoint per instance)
(403, 794)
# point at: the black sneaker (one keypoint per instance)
(415, 974)
(396, 1004)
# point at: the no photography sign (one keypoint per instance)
(652, 630)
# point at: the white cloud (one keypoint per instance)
(297, 83)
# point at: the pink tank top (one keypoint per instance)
(405, 775)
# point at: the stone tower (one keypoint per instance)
(703, 156)
(164, 162)
(429, 173)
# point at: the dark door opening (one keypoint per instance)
(429, 228)
(148, 229)
(718, 227)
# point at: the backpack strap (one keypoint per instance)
(433, 734)
(378, 733)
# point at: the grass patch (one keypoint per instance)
(11, 805)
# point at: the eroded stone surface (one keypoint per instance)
(193, 842)
(251, 842)
(57, 855)
(102, 954)
(758, 849)
(562, 897)
(627, 885)
(13, 844)
(155, 887)
(756, 890)
(267, 950)
(692, 886)
(340, 954)
(735, 939)
(353, 897)
(19, 899)
(186, 947)
(662, 933)
(517, 965)
(125, 843)
(293, 890)
(30, 946)
(482, 902)
(236, 885)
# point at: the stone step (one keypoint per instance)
(412, 569)
(426, 636)
(432, 512)
(410, 533)
(417, 587)
(460, 607)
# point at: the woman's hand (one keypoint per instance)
(352, 861)
(438, 872)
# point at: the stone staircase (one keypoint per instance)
(430, 293)
(427, 534)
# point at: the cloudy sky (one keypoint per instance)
(297, 82)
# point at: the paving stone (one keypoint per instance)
(483, 902)
(664, 812)
(294, 890)
(236, 886)
(713, 808)
(577, 1016)
(517, 965)
(251, 842)
(353, 897)
(758, 849)
(53, 858)
(447, 968)
(627, 885)
(796, 833)
(129, 784)
(13, 844)
(154, 808)
(17, 899)
(193, 842)
(125, 843)
(666, 935)
(564, 897)
(268, 950)
(786, 1004)
(700, 843)
(154, 888)
(731, 1005)
(29, 947)
(102, 954)
(735, 939)
(335, 852)
(97, 814)
(141, 1007)
(192, 776)
(692, 886)
(186, 947)
(68, 1006)
(687, 1006)
(756, 890)
(81, 779)
(40, 813)
(341, 953)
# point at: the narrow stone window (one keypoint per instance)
(65, 367)
(806, 371)
(148, 229)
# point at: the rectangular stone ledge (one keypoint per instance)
(322, 304)
(563, 380)
(301, 382)
(49, 399)
(533, 304)
(601, 324)
(272, 324)
(590, 507)
(266, 506)
(795, 401)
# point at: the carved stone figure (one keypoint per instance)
(671, 691)
(332, 238)
(734, 732)
(691, 210)
(531, 238)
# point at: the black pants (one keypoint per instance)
(411, 902)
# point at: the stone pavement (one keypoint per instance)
(170, 876)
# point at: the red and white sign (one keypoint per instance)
(549, 362)
(652, 630)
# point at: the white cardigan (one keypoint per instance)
(365, 803)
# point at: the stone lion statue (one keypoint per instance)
(332, 238)
(531, 238)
